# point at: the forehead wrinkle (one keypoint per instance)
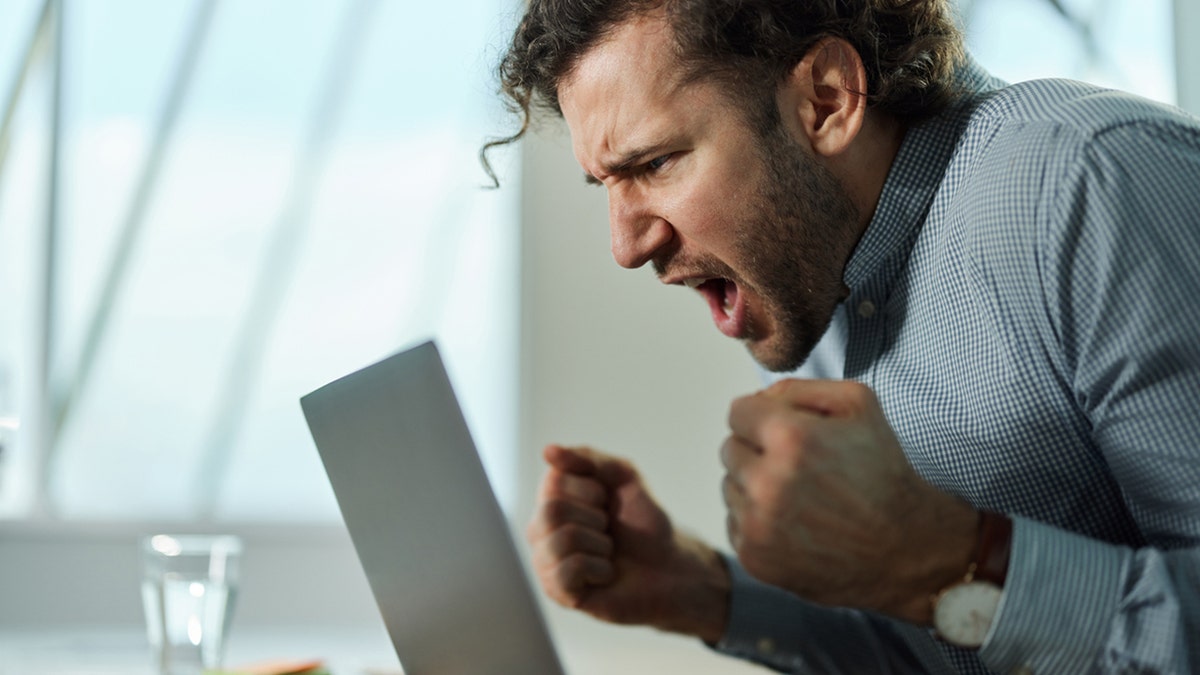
(613, 106)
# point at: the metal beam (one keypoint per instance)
(134, 221)
(44, 433)
(279, 260)
(38, 39)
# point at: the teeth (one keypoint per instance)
(693, 283)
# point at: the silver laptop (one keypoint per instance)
(429, 533)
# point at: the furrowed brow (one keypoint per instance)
(626, 163)
(632, 158)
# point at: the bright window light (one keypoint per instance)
(316, 204)
(1125, 44)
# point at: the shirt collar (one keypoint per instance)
(913, 179)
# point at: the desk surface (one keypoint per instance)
(124, 650)
(586, 648)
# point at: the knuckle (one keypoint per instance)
(761, 486)
(730, 490)
(555, 483)
(736, 406)
(571, 571)
(596, 493)
(557, 511)
(726, 453)
(753, 488)
(861, 395)
(782, 386)
(540, 526)
(584, 488)
(733, 533)
(547, 582)
(566, 574)
(571, 537)
(576, 487)
(784, 433)
(561, 595)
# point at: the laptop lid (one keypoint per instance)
(425, 523)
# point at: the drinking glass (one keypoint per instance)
(189, 584)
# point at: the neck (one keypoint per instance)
(864, 166)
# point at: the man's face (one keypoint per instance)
(752, 222)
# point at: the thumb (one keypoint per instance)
(570, 460)
(832, 398)
(584, 461)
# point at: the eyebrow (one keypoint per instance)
(626, 162)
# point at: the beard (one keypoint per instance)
(791, 251)
(795, 250)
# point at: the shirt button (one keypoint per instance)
(766, 645)
(1022, 670)
(866, 309)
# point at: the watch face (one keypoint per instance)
(964, 613)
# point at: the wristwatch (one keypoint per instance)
(963, 612)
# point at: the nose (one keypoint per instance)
(637, 232)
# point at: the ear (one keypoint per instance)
(824, 99)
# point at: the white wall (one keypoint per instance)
(1187, 55)
(615, 360)
(612, 358)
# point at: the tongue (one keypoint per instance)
(723, 301)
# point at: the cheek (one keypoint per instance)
(710, 209)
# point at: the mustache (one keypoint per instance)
(703, 265)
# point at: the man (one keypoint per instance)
(1008, 280)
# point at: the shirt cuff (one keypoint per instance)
(759, 622)
(1060, 597)
(772, 627)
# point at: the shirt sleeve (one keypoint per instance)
(1121, 278)
(777, 629)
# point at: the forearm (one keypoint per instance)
(701, 594)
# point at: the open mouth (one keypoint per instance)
(725, 301)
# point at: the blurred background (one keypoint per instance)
(208, 209)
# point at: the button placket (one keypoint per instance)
(865, 336)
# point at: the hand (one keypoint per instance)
(601, 544)
(823, 502)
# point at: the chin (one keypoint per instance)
(775, 357)
(786, 346)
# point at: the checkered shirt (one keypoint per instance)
(1026, 305)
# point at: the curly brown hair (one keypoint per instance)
(909, 48)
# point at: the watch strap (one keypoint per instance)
(993, 547)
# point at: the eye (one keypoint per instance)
(657, 163)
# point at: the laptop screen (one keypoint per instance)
(429, 533)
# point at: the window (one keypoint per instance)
(1124, 44)
(251, 199)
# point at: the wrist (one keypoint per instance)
(937, 559)
(702, 593)
(963, 612)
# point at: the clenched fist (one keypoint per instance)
(603, 545)
(823, 502)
